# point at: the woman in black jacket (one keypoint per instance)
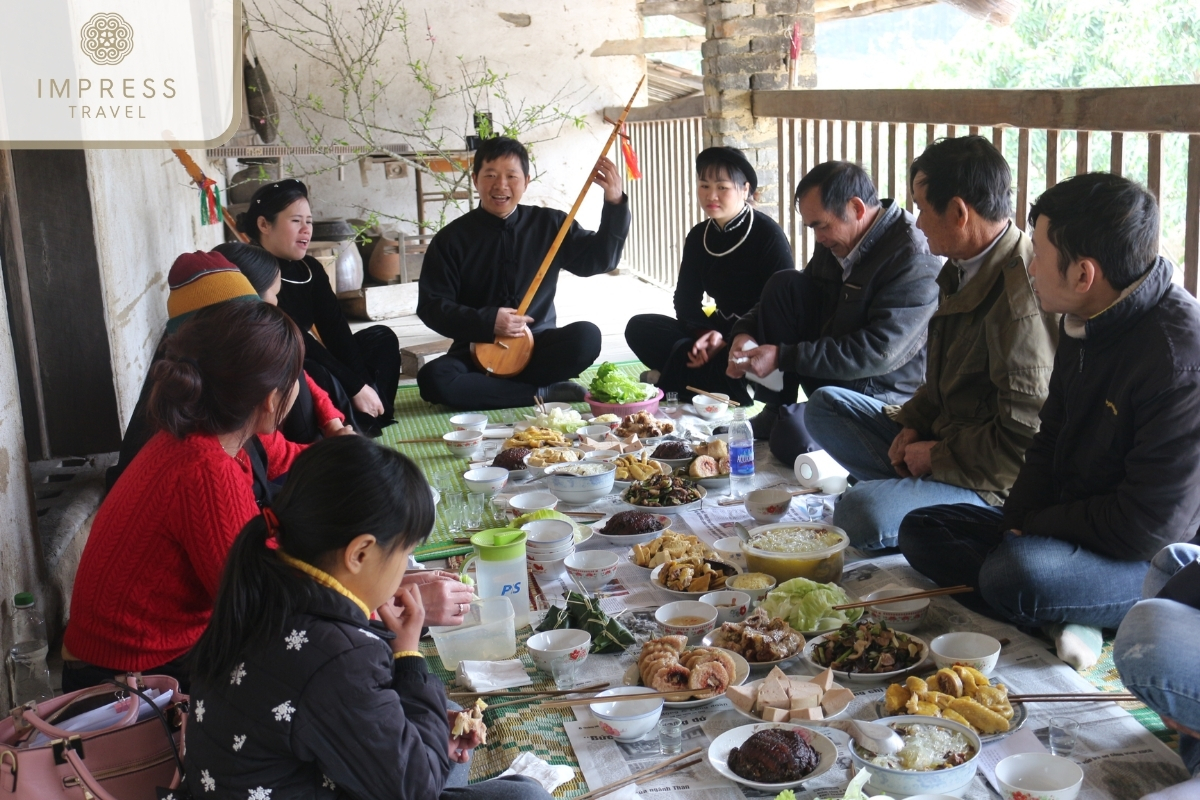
(366, 365)
(295, 692)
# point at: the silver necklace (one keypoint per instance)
(746, 209)
(299, 283)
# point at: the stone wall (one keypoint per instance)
(746, 49)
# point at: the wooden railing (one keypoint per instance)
(1149, 134)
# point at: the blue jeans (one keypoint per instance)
(1157, 651)
(1028, 580)
(854, 429)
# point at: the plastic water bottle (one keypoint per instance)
(741, 455)
(28, 675)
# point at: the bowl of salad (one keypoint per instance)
(614, 392)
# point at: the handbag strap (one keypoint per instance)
(162, 717)
(29, 716)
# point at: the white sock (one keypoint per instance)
(1078, 645)
(1188, 790)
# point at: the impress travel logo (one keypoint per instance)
(120, 73)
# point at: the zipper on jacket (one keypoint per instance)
(73, 781)
(1081, 360)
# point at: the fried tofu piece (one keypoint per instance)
(981, 719)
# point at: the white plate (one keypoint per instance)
(582, 533)
(668, 509)
(718, 753)
(707, 642)
(741, 672)
(691, 595)
(865, 677)
(1020, 715)
(816, 722)
(718, 484)
(635, 538)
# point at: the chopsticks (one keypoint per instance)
(719, 399)
(418, 441)
(1076, 697)
(587, 701)
(648, 774)
(514, 693)
(539, 404)
(905, 597)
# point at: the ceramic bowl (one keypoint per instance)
(561, 550)
(542, 535)
(627, 720)
(538, 472)
(565, 644)
(970, 649)
(1039, 775)
(469, 422)
(904, 782)
(667, 615)
(594, 431)
(581, 489)
(757, 595)
(904, 616)
(729, 550)
(768, 505)
(709, 408)
(485, 480)
(464, 444)
(731, 606)
(592, 568)
(529, 502)
(554, 569)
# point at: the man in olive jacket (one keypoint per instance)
(1114, 474)
(962, 436)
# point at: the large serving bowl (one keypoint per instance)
(904, 616)
(592, 568)
(977, 650)
(901, 782)
(823, 566)
(565, 644)
(538, 472)
(702, 615)
(581, 489)
(1040, 775)
(627, 720)
(624, 409)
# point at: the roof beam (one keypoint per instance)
(674, 8)
(655, 44)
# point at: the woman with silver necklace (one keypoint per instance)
(728, 257)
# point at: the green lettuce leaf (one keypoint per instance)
(613, 386)
(806, 605)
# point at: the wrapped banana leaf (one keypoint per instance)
(608, 635)
(555, 619)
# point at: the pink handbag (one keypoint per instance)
(126, 761)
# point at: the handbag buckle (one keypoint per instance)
(60, 746)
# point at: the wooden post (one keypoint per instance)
(875, 154)
(1082, 151)
(1191, 247)
(1022, 178)
(1117, 156)
(1154, 164)
(910, 134)
(1051, 158)
(891, 181)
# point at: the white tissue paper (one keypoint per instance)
(549, 776)
(818, 470)
(488, 676)
(772, 381)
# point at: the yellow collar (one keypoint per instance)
(325, 579)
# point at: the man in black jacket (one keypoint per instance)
(479, 267)
(1113, 475)
(855, 317)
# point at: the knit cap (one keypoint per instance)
(201, 279)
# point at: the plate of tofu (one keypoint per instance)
(800, 699)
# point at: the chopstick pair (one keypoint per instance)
(587, 701)
(595, 687)
(905, 597)
(1074, 697)
(649, 774)
(725, 400)
(539, 404)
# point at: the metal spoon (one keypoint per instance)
(875, 737)
(742, 533)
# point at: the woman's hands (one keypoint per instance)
(445, 597)
(404, 616)
(367, 401)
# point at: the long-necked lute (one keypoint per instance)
(508, 355)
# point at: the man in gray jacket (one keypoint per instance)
(855, 317)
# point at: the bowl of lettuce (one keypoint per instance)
(614, 392)
(807, 605)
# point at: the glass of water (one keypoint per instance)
(814, 507)
(563, 671)
(670, 736)
(452, 511)
(476, 505)
(1063, 733)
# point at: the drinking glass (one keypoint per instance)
(452, 511)
(670, 404)
(563, 671)
(475, 510)
(670, 736)
(814, 507)
(1063, 733)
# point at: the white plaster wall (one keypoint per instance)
(553, 52)
(146, 212)
(18, 541)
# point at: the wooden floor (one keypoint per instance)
(607, 300)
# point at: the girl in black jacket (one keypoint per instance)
(296, 693)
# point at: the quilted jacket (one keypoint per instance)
(323, 711)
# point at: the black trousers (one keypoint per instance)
(82, 675)
(559, 354)
(662, 343)
(380, 351)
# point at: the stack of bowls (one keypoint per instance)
(548, 542)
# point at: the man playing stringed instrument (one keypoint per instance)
(480, 265)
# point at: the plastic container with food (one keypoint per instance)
(942, 754)
(789, 550)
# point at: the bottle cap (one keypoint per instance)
(23, 600)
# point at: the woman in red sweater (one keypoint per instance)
(145, 586)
